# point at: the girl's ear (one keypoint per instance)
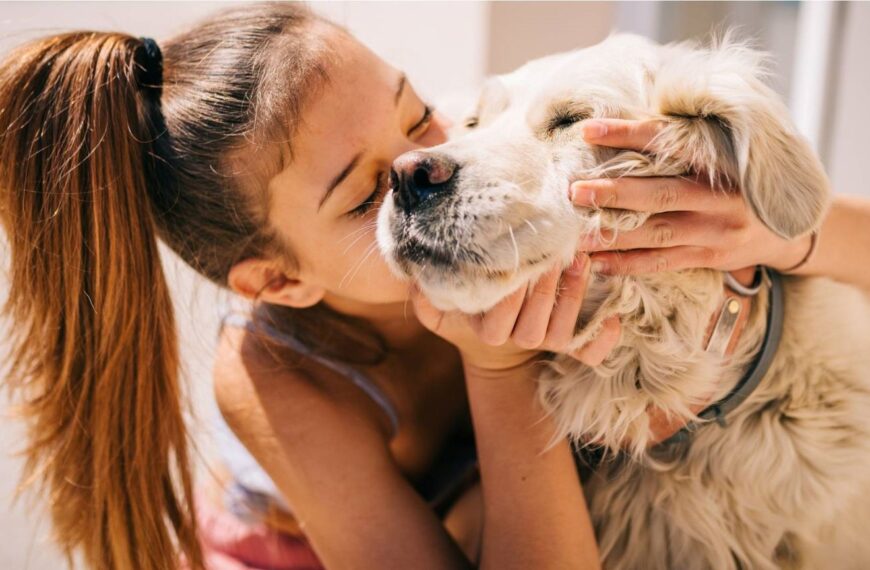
(264, 280)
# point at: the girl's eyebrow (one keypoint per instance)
(403, 80)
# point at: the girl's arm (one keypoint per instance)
(843, 250)
(535, 515)
(534, 512)
(693, 226)
(326, 449)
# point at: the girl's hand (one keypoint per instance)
(514, 331)
(691, 224)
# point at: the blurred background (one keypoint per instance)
(819, 51)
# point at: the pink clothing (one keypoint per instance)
(229, 543)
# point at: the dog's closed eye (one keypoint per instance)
(561, 117)
(564, 119)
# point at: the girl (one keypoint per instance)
(257, 146)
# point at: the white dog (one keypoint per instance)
(783, 479)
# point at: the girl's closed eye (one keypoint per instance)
(381, 187)
(424, 121)
(382, 182)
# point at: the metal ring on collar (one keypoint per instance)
(758, 281)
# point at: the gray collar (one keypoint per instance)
(759, 367)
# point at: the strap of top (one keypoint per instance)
(241, 320)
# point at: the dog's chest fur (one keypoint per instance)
(660, 360)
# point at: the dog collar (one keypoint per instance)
(723, 338)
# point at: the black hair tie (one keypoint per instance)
(151, 65)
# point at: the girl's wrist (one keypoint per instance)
(499, 367)
(795, 254)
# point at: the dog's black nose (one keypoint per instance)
(417, 175)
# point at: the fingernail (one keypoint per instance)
(578, 265)
(599, 266)
(582, 193)
(593, 129)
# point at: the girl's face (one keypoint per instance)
(324, 203)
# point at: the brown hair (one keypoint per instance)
(94, 165)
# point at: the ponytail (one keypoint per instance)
(94, 351)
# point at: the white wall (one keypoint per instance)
(520, 31)
(849, 139)
(440, 46)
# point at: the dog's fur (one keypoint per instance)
(785, 484)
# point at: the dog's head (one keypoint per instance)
(475, 218)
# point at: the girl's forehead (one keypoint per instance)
(347, 116)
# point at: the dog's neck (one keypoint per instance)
(727, 333)
(661, 362)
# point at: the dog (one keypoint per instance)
(782, 480)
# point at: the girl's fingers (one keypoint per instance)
(638, 261)
(494, 327)
(653, 194)
(621, 133)
(595, 351)
(531, 325)
(661, 230)
(563, 320)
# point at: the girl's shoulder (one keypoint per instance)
(251, 376)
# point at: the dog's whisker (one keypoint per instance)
(372, 248)
(359, 237)
(516, 249)
(355, 266)
(362, 230)
(354, 232)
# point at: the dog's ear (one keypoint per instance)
(724, 120)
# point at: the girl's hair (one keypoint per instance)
(95, 163)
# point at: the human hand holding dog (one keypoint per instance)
(513, 332)
(691, 224)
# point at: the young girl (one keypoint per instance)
(257, 146)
